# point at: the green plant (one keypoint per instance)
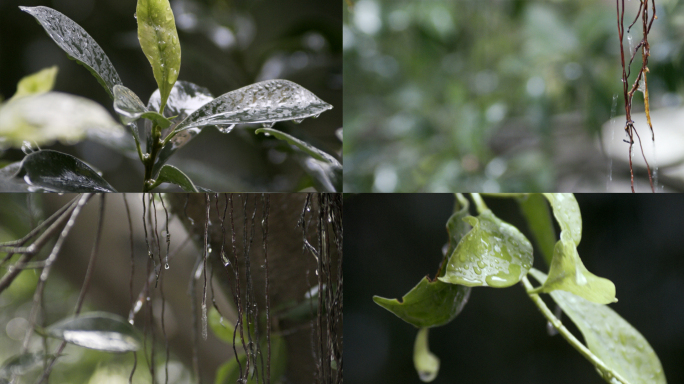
(175, 113)
(486, 251)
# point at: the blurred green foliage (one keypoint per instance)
(429, 87)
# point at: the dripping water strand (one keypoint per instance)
(265, 210)
(168, 234)
(613, 125)
(237, 294)
(206, 255)
(195, 338)
(130, 283)
(249, 290)
(155, 236)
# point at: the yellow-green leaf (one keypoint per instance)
(159, 41)
(567, 213)
(37, 83)
(426, 363)
(568, 273)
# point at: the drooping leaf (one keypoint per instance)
(20, 364)
(37, 83)
(568, 273)
(220, 327)
(59, 172)
(425, 362)
(434, 303)
(129, 106)
(77, 44)
(229, 372)
(173, 175)
(326, 177)
(567, 213)
(492, 254)
(610, 337)
(98, 330)
(159, 41)
(8, 181)
(536, 211)
(301, 145)
(264, 102)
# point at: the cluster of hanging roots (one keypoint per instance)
(628, 90)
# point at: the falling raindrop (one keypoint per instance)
(268, 124)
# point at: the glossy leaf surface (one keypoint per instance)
(492, 254)
(159, 41)
(568, 273)
(425, 362)
(78, 45)
(535, 208)
(53, 116)
(567, 213)
(98, 330)
(59, 172)
(37, 83)
(129, 106)
(434, 303)
(301, 145)
(173, 175)
(619, 345)
(264, 102)
(8, 181)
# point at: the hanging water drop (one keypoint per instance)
(268, 124)
(316, 116)
(27, 148)
(135, 15)
(225, 128)
(298, 121)
(166, 266)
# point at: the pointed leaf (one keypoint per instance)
(568, 273)
(8, 181)
(159, 41)
(53, 116)
(492, 254)
(37, 83)
(78, 45)
(536, 211)
(265, 102)
(302, 145)
(434, 303)
(619, 345)
(98, 330)
(221, 328)
(129, 106)
(173, 175)
(59, 172)
(567, 213)
(326, 177)
(425, 362)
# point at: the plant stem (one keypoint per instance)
(153, 152)
(606, 372)
(479, 203)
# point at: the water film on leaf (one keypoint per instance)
(129, 106)
(98, 330)
(610, 337)
(173, 175)
(77, 44)
(58, 172)
(567, 213)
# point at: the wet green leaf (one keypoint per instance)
(222, 328)
(37, 83)
(434, 303)
(265, 102)
(173, 175)
(8, 180)
(536, 210)
(59, 172)
(425, 362)
(77, 44)
(21, 364)
(129, 106)
(493, 254)
(610, 337)
(229, 372)
(568, 273)
(567, 213)
(301, 145)
(326, 177)
(98, 330)
(53, 116)
(159, 41)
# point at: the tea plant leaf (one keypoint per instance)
(59, 172)
(568, 273)
(264, 102)
(426, 363)
(567, 213)
(98, 330)
(77, 44)
(222, 328)
(159, 41)
(129, 106)
(173, 175)
(8, 180)
(37, 83)
(492, 254)
(611, 338)
(325, 176)
(434, 303)
(536, 211)
(301, 145)
(21, 364)
(53, 116)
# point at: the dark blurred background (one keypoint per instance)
(394, 240)
(505, 96)
(225, 45)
